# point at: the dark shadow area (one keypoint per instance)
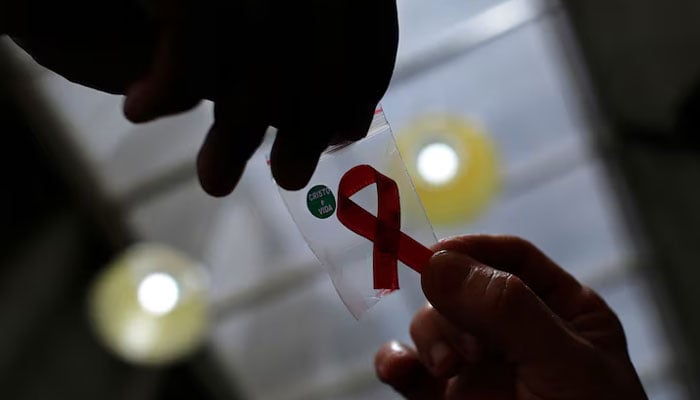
(50, 252)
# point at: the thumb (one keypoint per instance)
(496, 306)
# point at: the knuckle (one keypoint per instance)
(598, 322)
(504, 294)
(513, 292)
(597, 303)
(519, 243)
(524, 248)
(591, 299)
(594, 302)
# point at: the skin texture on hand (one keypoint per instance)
(314, 69)
(507, 323)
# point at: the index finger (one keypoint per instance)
(399, 366)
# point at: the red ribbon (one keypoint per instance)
(390, 244)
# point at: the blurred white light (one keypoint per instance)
(158, 293)
(438, 163)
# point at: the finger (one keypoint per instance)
(495, 305)
(469, 375)
(237, 132)
(373, 27)
(469, 348)
(434, 349)
(354, 125)
(357, 31)
(399, 366)
(372, 33)
(295, 155)
(174, 82)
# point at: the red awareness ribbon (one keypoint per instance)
(390, 244)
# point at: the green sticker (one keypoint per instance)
(321, 202)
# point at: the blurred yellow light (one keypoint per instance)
(150, 305)
(158, 293)
(438, 163)
(454, 166)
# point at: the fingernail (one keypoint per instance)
(440, 253)
(398, 347)
(469, 347)
(446, 240)
(439, 355)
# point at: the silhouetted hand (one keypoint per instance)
(508, 323)
(314, 69)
